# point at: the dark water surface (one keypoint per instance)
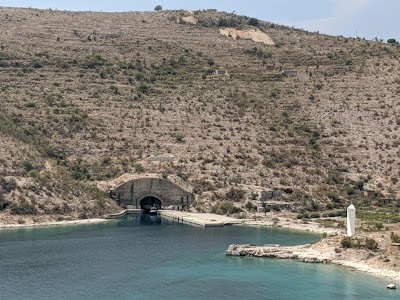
(143, 257)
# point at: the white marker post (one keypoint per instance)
(351, 220)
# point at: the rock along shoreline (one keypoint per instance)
(299, 253)
(324, 251)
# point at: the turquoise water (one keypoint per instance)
(143, 257)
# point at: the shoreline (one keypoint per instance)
(311, 227)
(53, 223)
(321, 251)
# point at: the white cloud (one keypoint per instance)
(349, 7)
(346, 18)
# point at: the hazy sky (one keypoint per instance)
(367, 18)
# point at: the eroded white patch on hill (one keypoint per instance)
(249, 34)
(190, 20)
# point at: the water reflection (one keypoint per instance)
(146, 219)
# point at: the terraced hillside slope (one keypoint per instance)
(86, 97)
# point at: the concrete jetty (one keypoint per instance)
(200, 219)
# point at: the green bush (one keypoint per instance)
(253, 22)
(93, 61)
(235, 194)
(350, 191)
(249, 206)
(114, 90)
(7, 185)
(78, 175)
(333, 196)
(138, 168)
(275, 208)
(346, 242)
(37, 64)
(180, 138)
(27, 165)
(371, 244)
(379, 226)
(225, 207)
(254, 196)
(202, 185)
(260, 53)
(143, 88)
(23, 208)
(394, 238)
(79, 171)
(359, 185)
(315, 215)
(182, 175)
(341, 213)
(227, 22)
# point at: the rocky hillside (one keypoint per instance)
(86, 97)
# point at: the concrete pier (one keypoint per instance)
(200, 219)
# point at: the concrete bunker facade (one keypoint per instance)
(143, 193)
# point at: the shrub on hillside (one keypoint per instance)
(27, 165)
(379, 226)
(7, 185)
(371, 244)
(253, 22)
(249, 206)
(225, 207)
(93, 61)
(275, 208)
(315, 215)
(235, 194)
(143, 88)
(350, 191)
(258, 52)
(23, 208)
(138, 168)
(394, 238)
(227, 22)
(202, 185)
(182, 176)
(346, 242)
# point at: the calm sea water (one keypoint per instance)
(143, 257)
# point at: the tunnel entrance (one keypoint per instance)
(148, 202)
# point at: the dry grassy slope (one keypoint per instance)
(95, 94)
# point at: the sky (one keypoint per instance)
(351, 18)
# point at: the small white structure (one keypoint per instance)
(351, 220)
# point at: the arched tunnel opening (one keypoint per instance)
(148, 202)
